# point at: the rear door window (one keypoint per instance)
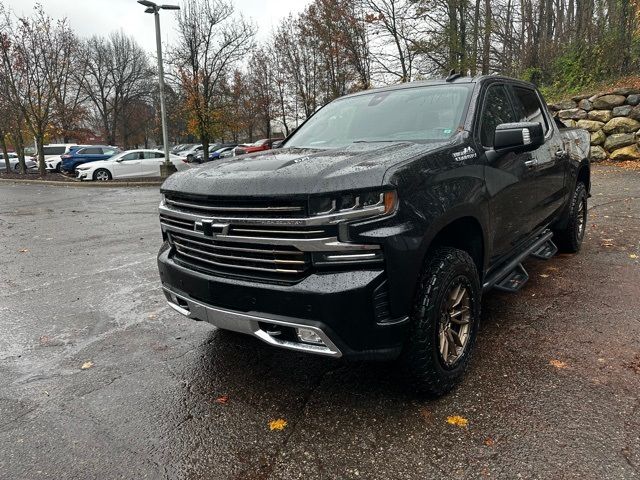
(54, 150)
(528, 107)
(91, 151)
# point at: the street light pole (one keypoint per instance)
(166, 168)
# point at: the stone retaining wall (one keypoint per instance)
(612, 118)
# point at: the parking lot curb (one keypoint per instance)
(81, 184)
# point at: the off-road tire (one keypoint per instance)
(428, 373)
(569, 239)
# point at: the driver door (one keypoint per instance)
(129, 166)
(509, 178)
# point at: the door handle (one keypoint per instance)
(530, 164)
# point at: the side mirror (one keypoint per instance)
(518, 137)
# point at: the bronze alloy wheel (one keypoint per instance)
(455, 323)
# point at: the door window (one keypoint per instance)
(91, 151)
(497, 109)
(53, 150)
(131, 156)
(529, 107)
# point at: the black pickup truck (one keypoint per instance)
(374, 229)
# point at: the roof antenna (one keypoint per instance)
(452, 76)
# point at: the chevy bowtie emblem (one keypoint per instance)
(464, 154)
(211, 229)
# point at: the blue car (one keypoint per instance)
(87, 154)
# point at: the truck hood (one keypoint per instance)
(296, 171)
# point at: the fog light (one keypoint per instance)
(307, 335)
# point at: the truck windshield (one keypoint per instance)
(417, 114)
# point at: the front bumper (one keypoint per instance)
(337, 306)
(83, 175)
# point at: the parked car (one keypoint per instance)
(215, 151)
(92, 153)
(259, 146)
(15, 163)
(217, 154)
(375, 229)
(52, 155)
(129, 164)
(55, 164)
(191, 152)
(181, 147)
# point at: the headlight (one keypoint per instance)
(354, 204)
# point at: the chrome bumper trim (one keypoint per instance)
(248, 323)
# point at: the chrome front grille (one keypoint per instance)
(226, 257)
(237, 238)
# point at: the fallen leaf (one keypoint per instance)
(224, 399)
(558, 364)
(86, 365)
(152, 316)
(458, 421)
(24, 250)
(544, 275)
(489, 442)
(278, 424)
(633, 256)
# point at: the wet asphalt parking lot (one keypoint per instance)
(552, 392)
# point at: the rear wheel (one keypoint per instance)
(445, 319)
(569, 239)
(102, 175)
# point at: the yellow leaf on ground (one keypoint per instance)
(633, 255)
(458, 421)
(86, 365)
(558, 364)
(24, 250)
(278, 424)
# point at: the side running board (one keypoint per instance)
(513, 276)
(514, 281)
(546, 250)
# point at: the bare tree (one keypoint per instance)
(211, 41)
(117, 74)
(35, 65)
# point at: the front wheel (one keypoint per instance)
(102, 175)
(569, 239)
(445, 319)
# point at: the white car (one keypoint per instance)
(129, 164)
(14, 162)
(53, 154)
(190, 153)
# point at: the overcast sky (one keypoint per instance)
(88, 17)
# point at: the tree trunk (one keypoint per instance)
(42, 168)
(5, 152)
(19, 143)
(476, 30)
(486, 47)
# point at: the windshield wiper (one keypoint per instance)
(377, 141)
